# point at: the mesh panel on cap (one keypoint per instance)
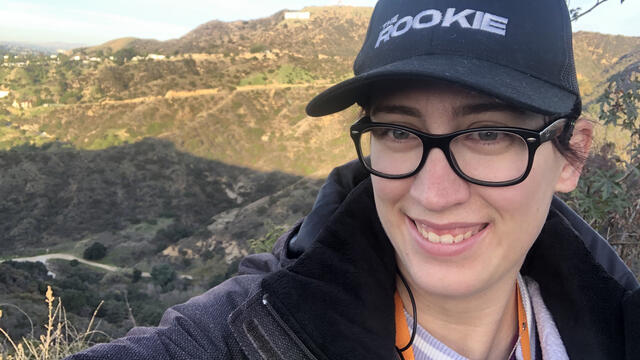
(568, 77)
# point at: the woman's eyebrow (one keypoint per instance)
(470, 109)
(397, 109)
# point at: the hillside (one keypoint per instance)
(331, 31)
(602, 58)
(256, 78)
(151, 206)
(230, 91)
(184, 153)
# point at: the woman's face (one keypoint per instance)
(453, 238)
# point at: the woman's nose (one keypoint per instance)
(437, 186)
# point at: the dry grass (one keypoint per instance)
(59, 340)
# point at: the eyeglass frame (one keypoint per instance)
(533, 139)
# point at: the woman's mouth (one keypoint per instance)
(446, 240)
(450, 234)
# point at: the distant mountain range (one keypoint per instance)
(46, 48)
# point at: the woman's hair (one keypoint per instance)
(576, 157)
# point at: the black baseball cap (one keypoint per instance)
(519, 51)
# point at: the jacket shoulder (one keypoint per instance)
(196, 329)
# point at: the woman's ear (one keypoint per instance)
(580, 143)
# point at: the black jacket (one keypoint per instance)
(326, 292)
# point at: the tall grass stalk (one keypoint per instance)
(59, 340)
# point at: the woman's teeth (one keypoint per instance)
(445, 238)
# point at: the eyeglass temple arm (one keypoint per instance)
(554, 130)
(568, 131)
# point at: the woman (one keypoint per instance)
(451, 248)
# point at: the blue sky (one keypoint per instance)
(92, 22)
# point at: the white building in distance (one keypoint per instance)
(298, 15)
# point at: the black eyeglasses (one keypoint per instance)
(489, 156)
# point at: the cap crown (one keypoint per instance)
(532, 37)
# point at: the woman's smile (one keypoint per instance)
(446, 239)
(451, 233)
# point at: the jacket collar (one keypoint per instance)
(342, 287)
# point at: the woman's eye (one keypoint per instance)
(487, 135)
(391, 134)
(400, 134)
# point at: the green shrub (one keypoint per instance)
(96, 251)
(266, 242)
(256, 48)
(136, 275)
(163, 274)
(71, 97)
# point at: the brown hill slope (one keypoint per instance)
(242, 105)
(146, 145)
(330, 31)
(55, 195)
(600, 58)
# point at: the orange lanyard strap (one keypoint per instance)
(403, 336)
(523, 327)
(402, 329)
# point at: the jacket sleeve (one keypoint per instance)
(197, 329)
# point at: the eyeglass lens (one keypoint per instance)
(492, 156)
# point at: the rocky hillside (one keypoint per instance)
(185, 153)
(602, 58)
(229, 91)
(331, 31)
(55, 195)
(154, 209)
(225, 93)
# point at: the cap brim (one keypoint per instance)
(499, 81)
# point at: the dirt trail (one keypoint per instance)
(279, 86)
(61, 256)
(173, 94)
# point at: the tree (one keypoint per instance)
(578, 12)
(136, 275)
(620, 183)
(114, 311)
(124, 55)
(163, 274)
(608, 196)
(96, 251)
